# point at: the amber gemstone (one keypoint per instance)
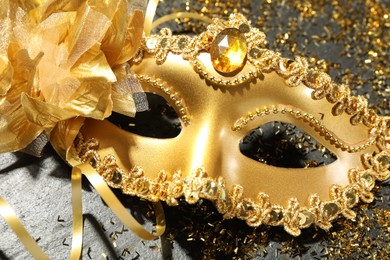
(228, 51)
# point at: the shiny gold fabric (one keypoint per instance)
(61, 60)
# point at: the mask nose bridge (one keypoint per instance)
(206, 148)
(206, 136)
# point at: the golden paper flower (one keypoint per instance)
(62, 61)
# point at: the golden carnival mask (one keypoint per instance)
(85, 60)
(223, 83)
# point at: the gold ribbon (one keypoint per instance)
(77, 241)
(14, 222)
(112, 201)
(150, 12)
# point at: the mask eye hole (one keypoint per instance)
(159, 121)
(285, 145)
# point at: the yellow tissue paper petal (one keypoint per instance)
(62, 137)
(125, 107)
(55, 82)
(44, 114)
(133, 37)
(88, 29)
(5, 66)
(56, 64)
(107, 8)
(115, 37)
(56, 27)
(24, 69)
(55, 6)
(16, 132)
(6, 73)
(93, 65)
(33, 8)
(92, 99)
(122, 94)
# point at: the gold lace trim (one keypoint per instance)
(230, 201)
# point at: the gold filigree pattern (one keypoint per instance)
(230, 202)
(308, 118)
(175, 97)
(259, 60)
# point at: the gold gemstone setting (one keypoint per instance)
(228, 51)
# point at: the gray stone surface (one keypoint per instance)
(39, 190)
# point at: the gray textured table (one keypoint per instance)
(39, 190)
